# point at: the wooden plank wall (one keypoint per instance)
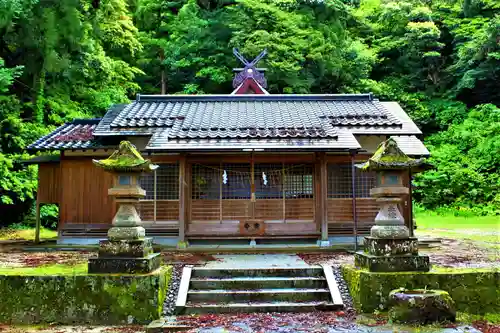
(49, 177)
(166, 210)
(84, 193)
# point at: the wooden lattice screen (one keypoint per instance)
(340, 194)
(223, 192)
(162, 194)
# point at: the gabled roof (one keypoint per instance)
(78, 134)
(201, 122)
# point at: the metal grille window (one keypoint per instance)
(235, 181)
(166, 178)
(162, 194)
(206, 182)
(340, 181)
(298, 182)
(275, 181)
(268, 181)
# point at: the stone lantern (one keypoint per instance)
(126, 250)
(389, 248)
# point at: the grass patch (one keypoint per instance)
(433, 220)
(54, 269)
(464, 317)
(26, 234)
(450, 224)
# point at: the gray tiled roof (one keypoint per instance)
(197, 122)
(344, 140)
(75, 135)
(248, 116)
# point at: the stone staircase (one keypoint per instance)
(236, 290)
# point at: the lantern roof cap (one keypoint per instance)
(389, 156)
(126, 159)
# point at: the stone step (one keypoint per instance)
(256, 272)
(251, 282)
(259, 295)
(166, 326)
(200, 308)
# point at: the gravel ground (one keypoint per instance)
(173, 288)
(344, 290)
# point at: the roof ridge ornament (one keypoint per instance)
(249, 72)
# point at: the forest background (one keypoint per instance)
(440, 59)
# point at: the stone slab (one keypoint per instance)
(256, 261)
(385, 247)
(138, 248)
(124, 265)
(400, 263)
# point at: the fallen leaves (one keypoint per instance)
(187, 258)
(267, 322)
(35, 259)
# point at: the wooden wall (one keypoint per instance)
(81, 190)
(49, 183)
(84, 193)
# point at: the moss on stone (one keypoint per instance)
(125, 159)
(421, 306)
(83, 299)
(52, 269)
(389, 156)
(473, 292)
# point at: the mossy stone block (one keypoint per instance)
(397, 263)
(107, 265)
(83, 299)
(385, 247)
(473, 292)
(126, 248)
(421, 306)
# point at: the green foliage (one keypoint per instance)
(49, 216)
(467, 160)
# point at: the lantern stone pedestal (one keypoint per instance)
(389, 248)
(126, 250)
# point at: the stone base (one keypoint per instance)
(399, 263)
(390, 231)
(139, 248)
(386, 247)
(125, 233)
(110, 265)
(421, 306)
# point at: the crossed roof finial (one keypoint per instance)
(249, 70)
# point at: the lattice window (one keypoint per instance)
(298, 181)
(273, 181)
(206, 181)
(268, 181)
(340, 181)
(235, 181)
(147, 182)
(167, 183)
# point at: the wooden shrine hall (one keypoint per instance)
(244, 166)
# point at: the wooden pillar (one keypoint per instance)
(410, 205)
(323, 197)
(354, 208)
(38, 222)
(252, 186)
(182, 197)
